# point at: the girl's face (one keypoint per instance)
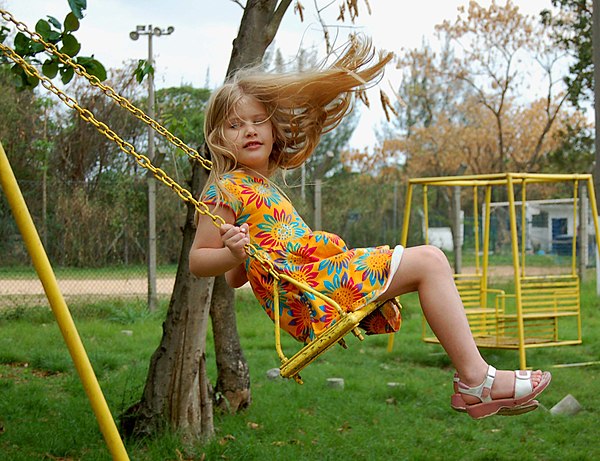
(250, 132)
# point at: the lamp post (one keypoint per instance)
(151, 183)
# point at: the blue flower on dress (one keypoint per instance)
(259, 192)
(374, 265)
(336, 263)
(343, 290)
(279, 229)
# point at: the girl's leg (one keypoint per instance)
(425, 269)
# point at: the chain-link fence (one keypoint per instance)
(95, 237)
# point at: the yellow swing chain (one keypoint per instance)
(142, 160)
(107, 90)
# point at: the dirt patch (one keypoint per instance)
(508, 271)
(69, 287)
(19, 372)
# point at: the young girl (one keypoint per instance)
(258, 123)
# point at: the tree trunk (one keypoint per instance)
(259, 24)
(232, 390)
(177, 393)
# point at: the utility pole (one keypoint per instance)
(150, 181)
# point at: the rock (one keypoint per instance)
(568, 406)
(273, 374)
(335, 383)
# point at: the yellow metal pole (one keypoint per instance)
(60, 309)
(523, 225)
(486, 243)
(406, 219)
(403, 241)
(476, 228)
(426, 214)
(594, 206)
(515, 256)
(574, 242)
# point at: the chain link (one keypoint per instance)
(252, 250)
(125, 146)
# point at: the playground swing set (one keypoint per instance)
(538, 301)
(544, 310)
(290, 368)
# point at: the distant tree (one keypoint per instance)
(485, 119)
(572, 31)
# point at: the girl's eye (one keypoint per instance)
(234, 125)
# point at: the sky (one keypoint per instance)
(198, 51)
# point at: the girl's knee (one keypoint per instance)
(434, 258)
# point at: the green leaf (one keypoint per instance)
(66, 74)
(143, 68)
(70, 45)
(43, 28)
(93, 67)
(50, 68)
(55, 22)
(71, 23)
(77, 7)
(22, 80)
(54, 36)
(36, 47)
(3, 33)
(22, 44)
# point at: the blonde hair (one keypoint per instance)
(302, 105)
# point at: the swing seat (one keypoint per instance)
(348, 322)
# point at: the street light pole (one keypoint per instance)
(151, 183)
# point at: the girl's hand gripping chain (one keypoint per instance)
(235, 239)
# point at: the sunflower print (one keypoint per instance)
(259, 192)
(278, 229)
(374, 266)
(321, 260)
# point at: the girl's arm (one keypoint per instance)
(220, 251)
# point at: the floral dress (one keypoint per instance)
(351, 277)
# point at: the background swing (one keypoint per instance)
(347, 321)
(543, 309)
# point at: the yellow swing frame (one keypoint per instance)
(530, 317)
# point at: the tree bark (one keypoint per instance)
(232, 390)
(259, 24)
(177, 393)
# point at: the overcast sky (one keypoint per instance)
(200, 47)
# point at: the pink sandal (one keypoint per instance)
(458, 403)
(521, 402)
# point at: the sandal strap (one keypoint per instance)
(523, 385)
(484, 391)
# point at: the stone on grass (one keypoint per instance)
(273, 374)
(568, 406)
(335, 383)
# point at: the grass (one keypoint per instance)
(45, 415)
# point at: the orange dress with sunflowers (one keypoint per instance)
(351, 277)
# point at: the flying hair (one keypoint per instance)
(302, 105)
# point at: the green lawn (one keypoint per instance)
(44, 414)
